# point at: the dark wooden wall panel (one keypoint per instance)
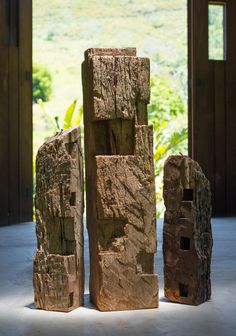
(25, 109)
(220, 198)
(212, 105)
(16, 111)
(13, 98)
(3, 112)
(231, 107)
(201, 141)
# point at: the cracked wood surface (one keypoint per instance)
(121, 215)
(58, 264)
(187, 236)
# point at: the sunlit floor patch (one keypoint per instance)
(18, 316)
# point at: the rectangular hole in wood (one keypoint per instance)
(69, 247)
(183, 290)
(184, 243)
(61, 236)
(146, 262)
(73, 198)
(109, 230)
(114, 137)
(71, 147)
(188, 195)
(71, 299)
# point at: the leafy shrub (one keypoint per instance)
(166, 110)
(71, 117)
(42, 83)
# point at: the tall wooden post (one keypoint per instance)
(121, 215)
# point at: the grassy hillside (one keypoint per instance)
(63, 30)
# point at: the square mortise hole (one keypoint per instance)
(114, 137)
(184, 243)
(71, 299)
(183, 290)
(188, 195)
(72, 199)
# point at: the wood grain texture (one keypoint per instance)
(231, 108)
(118, 82)
(25, 110)
(212, 118)
(16, 111)
(203, 131)
(119, 181)
(4, 107)
(220, 138)
(58, 264)
(14, 117)
(187, 237)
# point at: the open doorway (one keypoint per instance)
(62, 31)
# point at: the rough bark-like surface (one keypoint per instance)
(187, 237)
(124, 82)
(120, 180)
(58, 264)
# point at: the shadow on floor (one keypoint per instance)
(31, 306)
(164, 299)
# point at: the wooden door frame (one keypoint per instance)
(212, 105)
(16, 111)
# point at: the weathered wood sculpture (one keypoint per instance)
(119, 180)
(58, 265)
(187, 237)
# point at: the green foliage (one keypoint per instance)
(70, 119)
(42, 83)
(66, 29)
(69, 115)
(166, 110)
(63, 30)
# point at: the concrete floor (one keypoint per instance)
(19, 317)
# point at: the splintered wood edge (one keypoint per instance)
(109, 52)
